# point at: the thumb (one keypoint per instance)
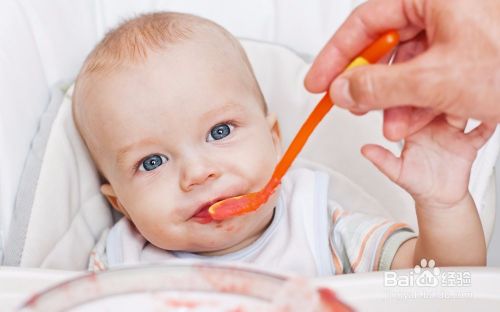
(400, 122)
(396, 122)
(384, 160)
(381, 86)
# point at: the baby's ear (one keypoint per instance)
(108, 191)
(274, 126)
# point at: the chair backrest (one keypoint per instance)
(45, 42)
(49, 46)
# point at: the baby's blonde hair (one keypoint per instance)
(131, 42)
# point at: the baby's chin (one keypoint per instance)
(224, 247)
(238, 235)
(219, 238)
(211, 247)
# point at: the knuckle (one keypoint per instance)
(364, 88)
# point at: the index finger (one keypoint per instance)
(365, 24)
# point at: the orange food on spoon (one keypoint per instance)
(239, 205)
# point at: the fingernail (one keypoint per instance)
(341, 93)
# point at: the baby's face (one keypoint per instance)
(177, 133)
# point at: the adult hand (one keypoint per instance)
(448, 61)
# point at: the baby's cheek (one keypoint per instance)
(264, 164)
(229, 228)
(273, 157)
(166, 236)
(154, 223)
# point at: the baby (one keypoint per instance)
(174, 119)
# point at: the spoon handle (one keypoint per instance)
(370, 55)
(321, 109)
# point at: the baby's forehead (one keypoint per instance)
(198, 57)
(121, 99)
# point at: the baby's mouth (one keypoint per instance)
(202, 215)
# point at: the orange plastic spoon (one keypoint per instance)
(239, 205)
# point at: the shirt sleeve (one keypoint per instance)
(363, 243)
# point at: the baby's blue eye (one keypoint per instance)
(152, 162)
(220, 131)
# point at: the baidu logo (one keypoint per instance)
(426, 281)
(423, 275)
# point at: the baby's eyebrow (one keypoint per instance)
(121, 155)
(229, 107)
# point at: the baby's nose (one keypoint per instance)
(196, 172)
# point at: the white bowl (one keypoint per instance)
(184, 286)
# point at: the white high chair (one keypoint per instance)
(58, 211)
